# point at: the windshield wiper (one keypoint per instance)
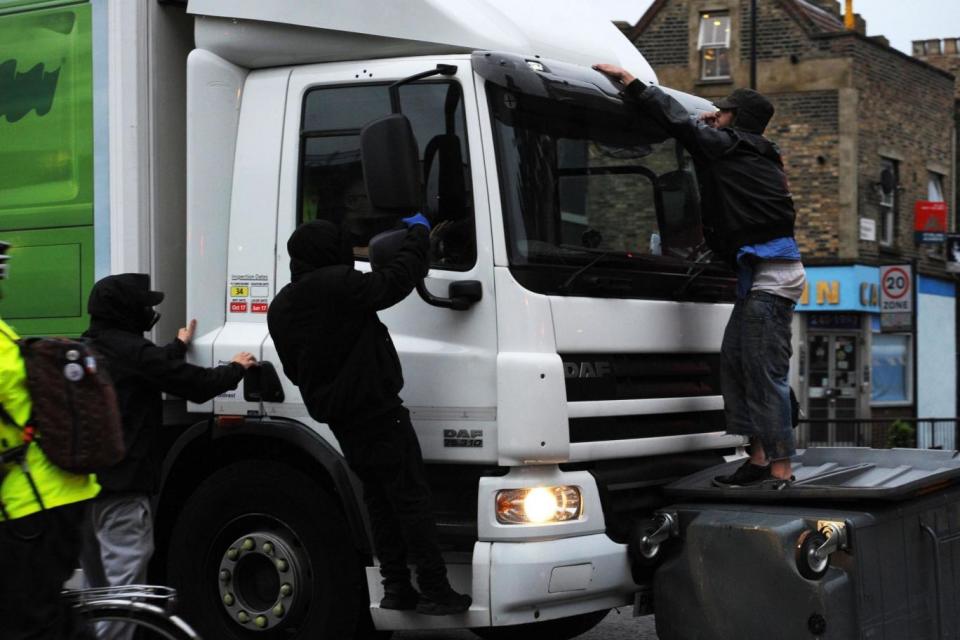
(701, 254)
(618, 283)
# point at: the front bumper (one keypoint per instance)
(523, 582)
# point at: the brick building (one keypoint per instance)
(867, 132)
(945, 54)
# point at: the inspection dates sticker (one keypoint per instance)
(249, 292)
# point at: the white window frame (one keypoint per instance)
(935, 186)
(908, 374)
(887, 217)
(713, 42)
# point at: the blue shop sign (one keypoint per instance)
(848, 288)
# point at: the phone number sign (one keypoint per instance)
(896, 297)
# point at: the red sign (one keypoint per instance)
(238, 307)
(258, 307)
(930, 216)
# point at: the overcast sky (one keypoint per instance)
(902, 21)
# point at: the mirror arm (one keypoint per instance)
(472, 295)
(441, 70)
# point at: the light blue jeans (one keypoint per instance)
(755, 362)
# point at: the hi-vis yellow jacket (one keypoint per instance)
(57, 487)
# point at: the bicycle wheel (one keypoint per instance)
(140, 614)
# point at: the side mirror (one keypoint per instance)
(262, 384)
(391, 165)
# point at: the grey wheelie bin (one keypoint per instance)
(865, 544)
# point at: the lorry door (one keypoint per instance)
(250, 239)
(448, 356)
(833, 392)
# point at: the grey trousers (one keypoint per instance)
(117, 546)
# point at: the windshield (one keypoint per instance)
(601, 189)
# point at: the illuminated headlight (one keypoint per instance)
(536, 66)
(541, 505)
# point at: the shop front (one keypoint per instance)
(853, 378)
(833, 355)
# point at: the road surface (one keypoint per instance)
(622, 626)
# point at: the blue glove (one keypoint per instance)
(414, 220)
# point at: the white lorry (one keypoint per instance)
(561, 360)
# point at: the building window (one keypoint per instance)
(714, 46)
(890, 360)
(934, 187)
(888, 186)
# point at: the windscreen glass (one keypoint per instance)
(580, 186)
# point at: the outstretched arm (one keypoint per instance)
(394, 281)
(698, 135)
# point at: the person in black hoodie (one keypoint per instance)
(333, 346)
(118, 540)
(748, 219)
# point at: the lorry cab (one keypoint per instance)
(561, 358)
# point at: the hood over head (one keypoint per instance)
(318, 244)
(753, 110)
(124, 301)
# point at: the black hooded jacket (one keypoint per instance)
(325, 327)
(744, 194)
(121, 310)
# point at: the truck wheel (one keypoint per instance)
(260, 550)
(560, 629)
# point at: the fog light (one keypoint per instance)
(540, 505)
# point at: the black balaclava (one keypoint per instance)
(318, 244)
(124, 301)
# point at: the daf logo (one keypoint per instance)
(586, 369)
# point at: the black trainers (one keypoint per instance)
(443, 602)
(401, 597)
(747, 475)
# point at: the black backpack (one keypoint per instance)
(75, 418)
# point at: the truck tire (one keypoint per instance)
(261, 550)
(560, 629)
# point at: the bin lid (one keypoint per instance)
(836, 474)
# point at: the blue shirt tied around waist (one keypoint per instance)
(748, 255)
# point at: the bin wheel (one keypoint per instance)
(642, 555)
(810, 566)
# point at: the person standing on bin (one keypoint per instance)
(118, 536)
(748, 218)
(39, 541)
(333, 346)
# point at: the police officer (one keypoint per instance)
(41, 509)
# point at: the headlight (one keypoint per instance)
(540, 505)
